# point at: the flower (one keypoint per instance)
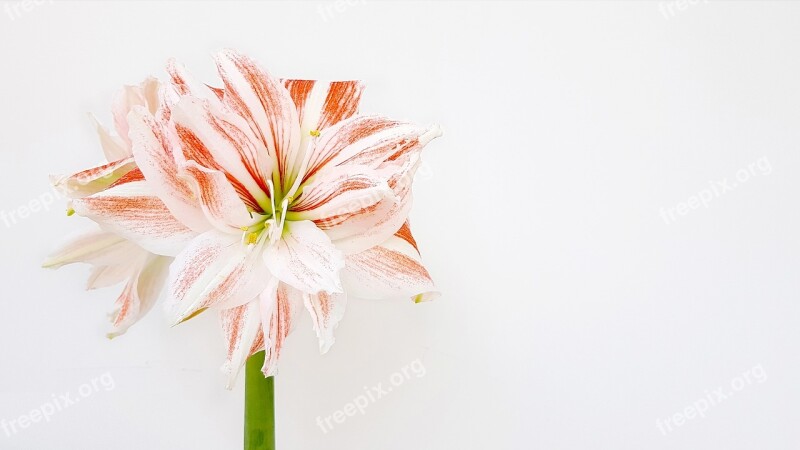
(115, 258)
(274, 196)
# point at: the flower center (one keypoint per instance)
(270, 228)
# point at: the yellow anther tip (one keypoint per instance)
(244, 228)
(70, 212)
(314, 133)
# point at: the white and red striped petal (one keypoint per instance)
(326, 309)
(218, 199)
(305, 259)
(280, 306)
(341, 191)
(140, 293)
(322, 104)
(153, 149)
(266, 105)
(361, 230)
(183, 83)
(132, 210)
(391, 270)
(145, 95)
(244, 335)
(367, 140)
(94, 180)
(214, 270)
(219, 140)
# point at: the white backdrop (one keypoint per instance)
(611, 216)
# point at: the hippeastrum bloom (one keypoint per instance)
(294, 198)
(114, 257)
(272, 196)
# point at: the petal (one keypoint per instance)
(280, 306)
(153, 150)
(341, 191)
(99, 248)
(393, 269)
(366, 228)
(104, 276)
(135, 213)
(244, 335)
(214, 270)
(367, 140)
(220, 140)
(265, 104)
(305, 259)
(326, 312)
(94, 180)
(114, 147)
(322, 104)
(184, 83)
(219, 200)
(145, 94)
(140, 293)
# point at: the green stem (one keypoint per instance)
(259, 406)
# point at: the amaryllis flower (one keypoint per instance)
(296, 199)
(115, 258)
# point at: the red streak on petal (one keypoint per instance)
(405, 233)
(341, 103)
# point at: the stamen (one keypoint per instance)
(70, 212)
(271, 187)
(300, 174)
(284, 205)
(314, 133)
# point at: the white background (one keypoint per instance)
(573, 316)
